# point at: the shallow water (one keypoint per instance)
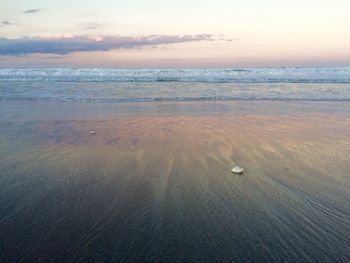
(118, 92)
(154, 184)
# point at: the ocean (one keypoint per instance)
(121, 85)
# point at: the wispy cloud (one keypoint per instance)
(31, 11)
(63, 45)
(4, 23)
(92, 26)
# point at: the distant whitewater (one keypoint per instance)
(143, 85)
(244, 75)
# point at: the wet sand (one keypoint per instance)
(157, 186)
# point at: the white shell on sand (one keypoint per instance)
(93, 132)
(237, 170)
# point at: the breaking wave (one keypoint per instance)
(244, 75)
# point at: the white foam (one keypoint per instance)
(247, 75)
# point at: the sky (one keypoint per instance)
(174, 34)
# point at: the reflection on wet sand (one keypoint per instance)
(160, 188)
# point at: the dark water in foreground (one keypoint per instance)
(154, 184)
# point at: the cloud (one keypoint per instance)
(7, 23)
(92, 26)
(63, 45)
(31, 11)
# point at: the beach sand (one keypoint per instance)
(157, 186)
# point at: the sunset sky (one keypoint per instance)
(164, 33)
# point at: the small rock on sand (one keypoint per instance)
(237, 170)
(93, 132)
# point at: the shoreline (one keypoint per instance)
(31, 110)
